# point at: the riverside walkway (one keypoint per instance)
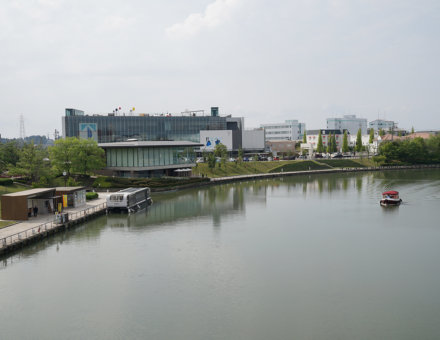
(38, 227)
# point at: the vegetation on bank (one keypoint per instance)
(299, 166)
(410, 151)
(105, 182)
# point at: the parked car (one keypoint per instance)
(231, 159)
(337, 155)
(318, 155)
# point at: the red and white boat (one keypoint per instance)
(390, 198)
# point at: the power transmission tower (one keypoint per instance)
(22, 133)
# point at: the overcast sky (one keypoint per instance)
(267, 61)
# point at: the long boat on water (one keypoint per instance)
(130, 199)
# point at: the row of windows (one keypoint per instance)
(147, 157)
(120, 128)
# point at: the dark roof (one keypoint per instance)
(148, 144)
(326, 132)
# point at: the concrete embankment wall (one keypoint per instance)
(317, 172)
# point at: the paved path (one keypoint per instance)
(41, 219)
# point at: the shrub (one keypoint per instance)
(6, 181)
(91, 195)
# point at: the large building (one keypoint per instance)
(385, 125)
(289, 130)
(111, 127)
(348, 122)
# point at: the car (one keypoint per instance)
(231, 159)
(337, 155)
(318, 155)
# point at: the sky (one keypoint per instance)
(267, 61)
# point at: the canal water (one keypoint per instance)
(307, 257)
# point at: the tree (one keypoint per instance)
(345, 142)
(359, 141)
(221, 151)
(211, 160)
(73, 155)
(334, 147)
(381, 132)
(9, 155)
(240, 154)
(371, 136)
(412, 129)
(88, 157)
(305, 137)
(33, 162)
(62, 154)
(320, 147)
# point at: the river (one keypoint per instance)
(305, 257)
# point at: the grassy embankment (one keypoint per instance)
(7, 190)
(248, 168)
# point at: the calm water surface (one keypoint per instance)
(295, 258)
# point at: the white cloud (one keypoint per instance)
(215, 14)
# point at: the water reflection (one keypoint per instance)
(230, 201)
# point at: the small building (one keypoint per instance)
(25, 204)
(276, 147)
(76, 196)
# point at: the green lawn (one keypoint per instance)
(300, 166)
(343, 163)
(235, 169)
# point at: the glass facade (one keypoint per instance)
(148, 157)
(144, 128)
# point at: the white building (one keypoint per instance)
(348, 122)
(289, 130)
(253, 140)
(313, 136)
(385, 125)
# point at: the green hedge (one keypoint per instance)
(91, 195)
(6, 181)
(104, 182)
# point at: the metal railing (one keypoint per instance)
(28, 233)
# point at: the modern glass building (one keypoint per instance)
(110, 128)
(148, 159)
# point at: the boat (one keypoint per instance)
(390, 198)
(130, 199)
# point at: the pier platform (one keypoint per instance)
(21, 233)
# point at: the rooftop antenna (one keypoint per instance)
(22, 133)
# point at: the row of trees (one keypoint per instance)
(410, 151)
(40, 164)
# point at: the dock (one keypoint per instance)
(22, 233)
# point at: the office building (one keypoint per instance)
(386, 125)
(289, 130)
(348, 122)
